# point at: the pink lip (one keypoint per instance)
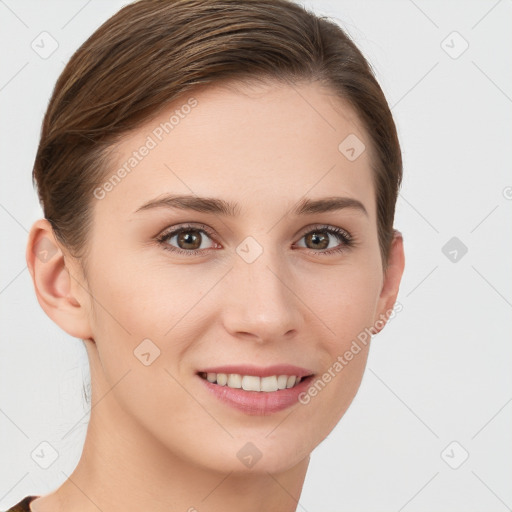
(259, 402)
(258, 371)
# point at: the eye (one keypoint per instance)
(321, 236)
(191, 240)
(188, 239)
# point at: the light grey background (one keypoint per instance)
(438, 373)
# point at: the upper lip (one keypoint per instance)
(260, 371)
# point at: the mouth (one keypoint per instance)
(257, 391)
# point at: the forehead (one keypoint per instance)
(254, 144)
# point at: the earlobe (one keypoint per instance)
(391, 283)
(53, 281)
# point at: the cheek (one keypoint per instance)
(140, 310)
(345, 299)
(347, 307)
(131, 298)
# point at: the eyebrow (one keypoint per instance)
(229, 209)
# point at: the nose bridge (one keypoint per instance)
(262, 302)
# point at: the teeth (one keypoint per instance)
(252, 382)
(234, 381)
(269, 383)
(291, 381)
(281, 381)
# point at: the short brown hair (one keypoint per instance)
(152, 51)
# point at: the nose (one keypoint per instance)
(260, 300)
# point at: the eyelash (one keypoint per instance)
(347, 240)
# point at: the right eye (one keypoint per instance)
(188, 239)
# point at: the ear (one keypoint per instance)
(391, 283)
(60, 289)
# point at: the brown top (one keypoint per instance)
(23, 505)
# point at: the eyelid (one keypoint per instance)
(210, 232)
(187, 225)
(325, 227)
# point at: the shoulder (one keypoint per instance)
(23, 505)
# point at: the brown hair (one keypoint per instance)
(151, 52)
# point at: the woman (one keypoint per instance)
(218, 181)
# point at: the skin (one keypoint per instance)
(157, 440)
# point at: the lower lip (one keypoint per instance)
(260, 403)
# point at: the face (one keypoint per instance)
(269, 268)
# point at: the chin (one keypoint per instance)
(256, 454)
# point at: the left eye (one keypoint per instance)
(320, 237)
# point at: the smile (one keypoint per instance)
(252, 382)
(256, 390)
